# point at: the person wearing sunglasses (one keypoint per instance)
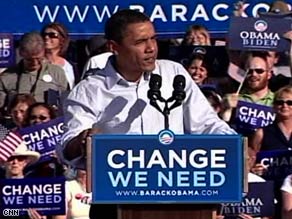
(278, 135)
(57, 41)
(39, 113)
(14, 168)
(255, 87)
(33, 74)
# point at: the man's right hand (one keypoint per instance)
(76, 147)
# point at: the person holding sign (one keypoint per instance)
(255, 91)
(14, 169)
(276, 136)
(115, 99)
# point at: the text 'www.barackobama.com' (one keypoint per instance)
(167, 193)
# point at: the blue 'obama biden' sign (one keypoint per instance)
(167, 168)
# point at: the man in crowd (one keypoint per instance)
(33, 74)
(256, 84)
(114, 100)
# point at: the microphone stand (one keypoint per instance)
(178, 96)
(166, 112)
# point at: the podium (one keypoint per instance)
(107, 151)
(167, 211)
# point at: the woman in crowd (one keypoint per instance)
(56, 42)
(197, 35)
(39, 113)
(14, 169)
(18, 108)
(199, 67)
(78, 200)
(36, 114)
(277, 136)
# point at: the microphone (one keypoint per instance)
(178, 94)
(154, 93)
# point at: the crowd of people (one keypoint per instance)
(45, 85)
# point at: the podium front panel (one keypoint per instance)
(167, 168)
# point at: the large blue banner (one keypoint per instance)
(87, 17)
(167, 168)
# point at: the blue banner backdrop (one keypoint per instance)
(167, 168)
(86, 18)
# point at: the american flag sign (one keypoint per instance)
(9, 141)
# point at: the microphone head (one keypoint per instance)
(179, 83)
(155, 82)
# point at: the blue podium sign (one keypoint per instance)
(167, 168)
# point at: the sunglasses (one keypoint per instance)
(256, 70)
(19, 158)
(50, 34)
(41, 117)
(281, 102)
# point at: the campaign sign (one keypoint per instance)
(6, 50)
(259, 33)
(250, 116)
(257, 203)
(167, 168)
(277, 162)
(46, 195)
(44, 137)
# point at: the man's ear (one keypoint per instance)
(270, 74)
(113, 46)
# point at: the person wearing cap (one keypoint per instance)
(22, 157)
(14, 169)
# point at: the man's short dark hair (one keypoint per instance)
(118, 22)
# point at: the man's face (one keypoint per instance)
(259, 75)
(272, 59)
(137, 52)
(33, 62)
